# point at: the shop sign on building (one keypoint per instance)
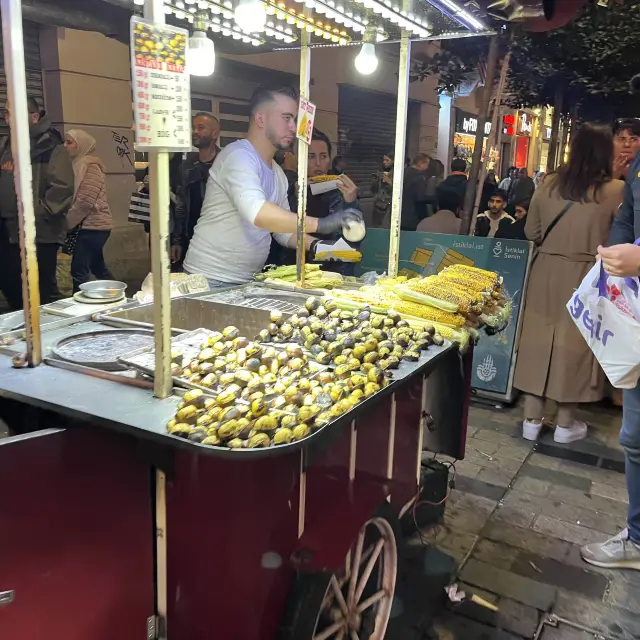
(468, 123)
(161, 87)
(508, 122)
(525, 124)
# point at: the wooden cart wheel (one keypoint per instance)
(355, 603)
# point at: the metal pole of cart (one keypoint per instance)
(303, 160)
(159, 201)
(13, 44)
(399, 152)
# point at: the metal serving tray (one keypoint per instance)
(190, 344)
(189, 314)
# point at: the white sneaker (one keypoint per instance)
(616, 553)
(531, 430)
(564, 435)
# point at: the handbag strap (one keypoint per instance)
(555, 221)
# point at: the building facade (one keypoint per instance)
(86, 84)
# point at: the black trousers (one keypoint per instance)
(11, 272)
(88, 259)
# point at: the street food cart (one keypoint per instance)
(112, 526)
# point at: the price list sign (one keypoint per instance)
(161, 89)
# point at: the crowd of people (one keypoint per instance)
(430, 202)
(70, 205)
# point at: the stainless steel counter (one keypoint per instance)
(134, 410)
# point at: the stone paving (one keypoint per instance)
(514, 524)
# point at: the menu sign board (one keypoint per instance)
(161, 88)
(306, 116)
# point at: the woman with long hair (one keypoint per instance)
(570, 216)
(89, 219)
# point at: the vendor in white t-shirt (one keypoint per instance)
(246, 198)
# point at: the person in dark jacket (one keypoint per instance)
(414, 194)
(515, 231)
(626, 141)
(53, 190)
(622, 258)
(289, 164)
(457, 179)
(435, 175)
(446, 219)
(493, 221)
(489, 187)
(321, 205)
(192, 184)
(382, 189)
(522, 189)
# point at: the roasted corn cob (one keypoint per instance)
(318, 179)
(480, 279)
(387, 282)
(345, 256)
(436, 292)
(426, 313)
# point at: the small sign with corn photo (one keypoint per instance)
(306, 117)
(339, 250)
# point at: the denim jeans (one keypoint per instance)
(88, 259)
(630, 441)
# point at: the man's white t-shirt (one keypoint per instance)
(226, 245)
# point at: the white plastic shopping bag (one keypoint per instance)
(603, 310)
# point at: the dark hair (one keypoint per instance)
(458, 164)
(389, 155)
(32, 105)
(436, 169)
(337, 159)
(267, 94)
(420, 158)
(525, 204)
(590, 164)
(206, 114)
(448, 198)
(499, 193)
(627, 124)
(322, 137)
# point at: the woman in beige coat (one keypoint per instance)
(554, 361)
(89, 217)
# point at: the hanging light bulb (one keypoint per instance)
(201, 57)
(250, 16)
(366, 60)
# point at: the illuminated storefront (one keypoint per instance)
(464, 137)
(524, 130)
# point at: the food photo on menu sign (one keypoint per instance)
(306, 117)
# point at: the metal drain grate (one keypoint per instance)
(270, 304)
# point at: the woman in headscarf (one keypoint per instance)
(89, 218)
